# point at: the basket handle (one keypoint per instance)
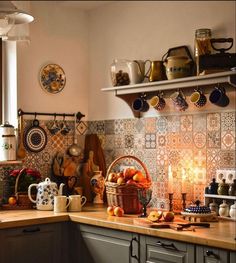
(17, 182)
(132, 157)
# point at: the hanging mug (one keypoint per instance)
(179, 100)
(140, 104)
(198, 98)
(157, 102)
(219, 97)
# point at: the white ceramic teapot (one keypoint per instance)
(46, 191)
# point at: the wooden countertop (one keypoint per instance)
(221, 234)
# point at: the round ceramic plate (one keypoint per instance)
(52, 78)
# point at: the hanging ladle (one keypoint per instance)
(74, 149)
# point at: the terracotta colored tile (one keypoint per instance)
(186, 123)
(199, 139)
(199, 122)
(227, 159)
(228, 140)
(213, 122)
(150, 125)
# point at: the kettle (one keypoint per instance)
(46, 191)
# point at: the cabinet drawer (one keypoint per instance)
(211, 255)
(164, 250)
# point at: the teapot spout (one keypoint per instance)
(60, 189)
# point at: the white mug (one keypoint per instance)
(61, 202)
(77, 201)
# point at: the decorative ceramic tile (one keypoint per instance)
(213, 158)
(129, 141)
(213, 122)
(161, 141)
(161, 123)
(119, 126)
(199, 139)
(139, 126)
(162, 159)
(109, 142)
(129, 126)
(228, 121)
(173, 157)
(199, 123)
(150, 141)
(199, 158)
(92, 127)
(119, 141)
(173, 123)
(109, 127)
(227, 159)
(150, 125)
(213, 139)
(227, 140)
(186, 140)
(186, 123)
(173, 140)
(82, 127)
(139, 141)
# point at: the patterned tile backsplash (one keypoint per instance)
(198, 143)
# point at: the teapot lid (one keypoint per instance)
(47, 181)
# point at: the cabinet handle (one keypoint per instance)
(167, 246)
(131, 248)
(211, 253)
(31, 230)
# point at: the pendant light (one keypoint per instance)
(10, 16)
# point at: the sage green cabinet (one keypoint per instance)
(38, 243)
(158, 250)
(101, 245)
(211, 255)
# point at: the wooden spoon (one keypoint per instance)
(21, 152)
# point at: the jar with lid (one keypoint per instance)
(223, 188)
(232, 211)
(214, 207)
(202, 45)
(232, 188)
(120, 72)
(224, 209)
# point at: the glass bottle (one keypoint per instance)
(202, 45)
(120, 72)
(213, 187)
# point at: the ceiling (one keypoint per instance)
(84, 5)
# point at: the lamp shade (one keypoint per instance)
(10, 16)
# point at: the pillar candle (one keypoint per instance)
(183, 181)
(170, 180)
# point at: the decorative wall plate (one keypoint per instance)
(52, 78)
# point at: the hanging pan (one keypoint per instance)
(35, 137)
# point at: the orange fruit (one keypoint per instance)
(12, 200)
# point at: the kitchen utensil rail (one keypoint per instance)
(78, 115)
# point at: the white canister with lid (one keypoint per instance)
(224, 209)
(232, 211)
(7, 142)
(214, 207)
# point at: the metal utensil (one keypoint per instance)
(74, 149)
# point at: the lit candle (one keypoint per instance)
(183, 181)
(170, 180)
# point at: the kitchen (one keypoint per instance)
(85, 43)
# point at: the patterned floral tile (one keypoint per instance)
(161, 140)
(186, 123)
(119, 141)
(174, 157)
(227, 159)
(150, 125)
(139, 141)
(129, 126)
(186, 140)
(213, 122)
(213, 139)
(109, 127)
(109, 142)
(173, 140)
(228, 140)
(129, 141)
(173, 123)
(199, 123)
(161, 123)
(162, 158)
(119, 126)
(199, 139)
(228, 121)
(213, 158)
(150, 141)
(139, 125)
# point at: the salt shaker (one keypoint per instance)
(224, 209)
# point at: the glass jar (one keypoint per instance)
(202, 45)
(120, 72)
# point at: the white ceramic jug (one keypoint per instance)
(46, 191)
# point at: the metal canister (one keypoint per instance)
(7, 142)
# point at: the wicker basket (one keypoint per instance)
(125, 196)
(22, 197)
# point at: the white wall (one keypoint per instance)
(59, 35)
(85, 44)
(145, 30)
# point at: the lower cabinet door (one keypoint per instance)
(211, 255)
(100, 245)
(159, 250)
(31, 244)
(232, 257)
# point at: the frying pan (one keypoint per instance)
(35, 137)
